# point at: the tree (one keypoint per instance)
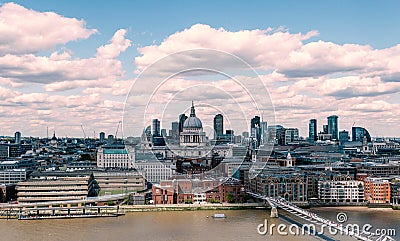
(230, 198)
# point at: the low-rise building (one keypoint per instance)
(291, 186)
(334, 191)
(114, 182)
(155, 171)
(179, 191)
(395, 191)
(116, 156)
(56, 186)
(12, 176)
(377, 190)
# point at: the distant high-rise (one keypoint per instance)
(333, 128)
(156, 128)
(175, 130)
(325, 129)
(17, 137)
(358, 134)
(312, 131)
(291, 135)
(163, 132)
(218, 126)
(182, 119)
(264, 132)
(343, 137)
(255, 129)
(110, 139)
(102, 137)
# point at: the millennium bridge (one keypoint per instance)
(315, 219)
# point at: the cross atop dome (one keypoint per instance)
(192, 111)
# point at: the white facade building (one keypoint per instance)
(155, 171)
(341, 191)
(113, 157)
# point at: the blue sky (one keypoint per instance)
(348, 31)
(363, 22)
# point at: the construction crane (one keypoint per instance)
(116, 133)
(84, 134)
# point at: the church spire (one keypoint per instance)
(192, 111)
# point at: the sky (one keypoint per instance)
(66, 64)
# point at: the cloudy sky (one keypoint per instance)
(64, 64)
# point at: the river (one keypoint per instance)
(181, 225)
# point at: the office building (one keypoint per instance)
(175, 130)
(264, 132)
(155, 130)
(114, 182)
(333, 127)
(102, 137)
(291, 135)
(255, 129)
(12, 176)
(343, 137)
(110, 140)
(359, 133)
(312, 131)
(116, 156)
(155, 171)
(218, 126)
(56, 186)
(17, 137)
(182, 119)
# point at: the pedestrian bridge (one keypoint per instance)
(315, 219)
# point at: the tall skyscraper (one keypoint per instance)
(102, 136)
(255, 129)
(312, 131)
(17, 137)
(182, 119)
(218, 126)
(175, 130)
(333, 127)
(264, 132)
(156, 128)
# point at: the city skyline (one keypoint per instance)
(79, 71)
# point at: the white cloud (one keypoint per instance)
(117, 45)
(27, 31)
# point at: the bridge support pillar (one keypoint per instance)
(274, 212)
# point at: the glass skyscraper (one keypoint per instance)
(358, 133)
(312, 131)
(333, 128)
(218, 126)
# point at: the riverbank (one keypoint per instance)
(191, 207)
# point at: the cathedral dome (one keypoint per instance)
(192, 121)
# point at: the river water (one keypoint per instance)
(181, 225)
